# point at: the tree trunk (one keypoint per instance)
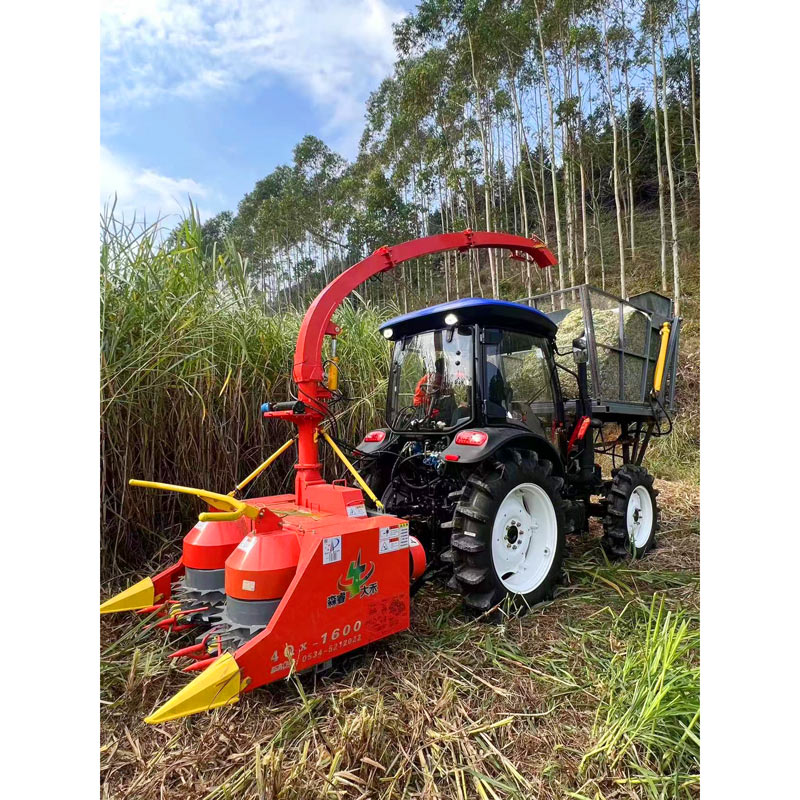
(546, 76)
(486, 187)
(539, 127)
(615, 161)
(566, 161)
(523, 201)
(672, 212)
(585, 252)
(662, 225)
(694, 95)
(632, 238)
(523, 136)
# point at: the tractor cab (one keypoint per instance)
(472, 362)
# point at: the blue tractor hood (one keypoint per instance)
(489, 313)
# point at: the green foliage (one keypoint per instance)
(649, 712)
(190, 350)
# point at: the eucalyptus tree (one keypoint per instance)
(648, 23)
(659, 13)
(607, 42)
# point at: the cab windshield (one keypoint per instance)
(430, 386)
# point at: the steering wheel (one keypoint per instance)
(405, 416)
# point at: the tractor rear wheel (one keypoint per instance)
(376, 472)
(509, 533)
(631, 520)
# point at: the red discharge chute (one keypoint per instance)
(308, 369)
(316, 323)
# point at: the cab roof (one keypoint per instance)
(489, 313)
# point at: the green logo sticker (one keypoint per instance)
(355, 580)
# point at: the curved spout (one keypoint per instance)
(308, 372)
(308, 354)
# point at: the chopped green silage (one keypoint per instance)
(606, 332)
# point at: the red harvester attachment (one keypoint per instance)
(285, 583)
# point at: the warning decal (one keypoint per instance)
(358, 510)
(331, 549)
(392, 539)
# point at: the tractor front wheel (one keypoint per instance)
(631, 520)
(509, 533)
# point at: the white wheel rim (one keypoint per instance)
(640, 516)
(524, 538)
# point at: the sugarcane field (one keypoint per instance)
(399, 479)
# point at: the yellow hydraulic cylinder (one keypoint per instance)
(658, 377)
(258, 470)
(333, 374)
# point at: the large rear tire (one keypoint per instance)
(376, 472)
(509, 533)
(631, 521)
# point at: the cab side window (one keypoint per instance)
(517, 380)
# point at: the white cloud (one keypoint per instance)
(335, 53)
(144, 192)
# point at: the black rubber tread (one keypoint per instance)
(471, 513)
(616, 541)
(446, 556)
(475, 481)
(467, 544)
(487, 487)
(376, 477)
(472, 576)
(479, 602)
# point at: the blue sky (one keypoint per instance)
(204, 98)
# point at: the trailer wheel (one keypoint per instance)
(631, 521)
(509, 533)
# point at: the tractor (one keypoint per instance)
(493, 463)
(495, 416)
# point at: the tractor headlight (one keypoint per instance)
(387, 333)
(450, 319)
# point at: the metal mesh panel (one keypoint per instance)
(622, 343)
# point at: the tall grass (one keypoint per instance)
(190, 349)
(648, 719)
(189, 352)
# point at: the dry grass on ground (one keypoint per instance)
(593, 695)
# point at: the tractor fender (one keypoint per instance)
(502, 437)
(373, 447)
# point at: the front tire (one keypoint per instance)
(631, 520)
(509, 533)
